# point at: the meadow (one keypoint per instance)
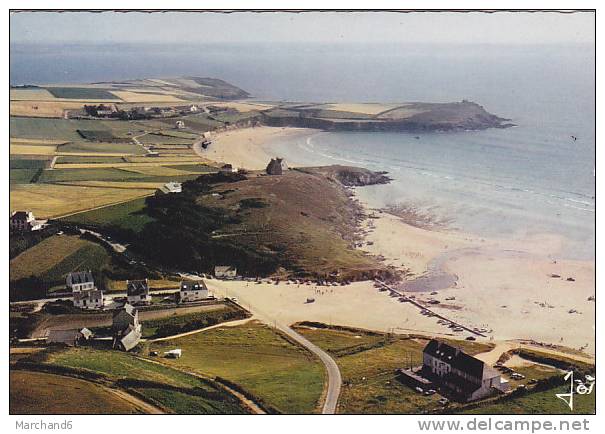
(173, 390)
(257, 358)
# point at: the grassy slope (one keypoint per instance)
(258, 359)
(56, 256)
(306, 219)
(42, 393)
(127, 215)
(181, 399)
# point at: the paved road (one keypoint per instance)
(334, 377)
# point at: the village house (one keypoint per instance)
(193, 290)
(137, 292)
(72, 337)
(24, 221)
(85, 294)
(126, 328)
(225, 272)
(79, 281)
(277, 166)
(193, 108)
(465, 377)
(89, 299)
(180, 124)
(169, 187)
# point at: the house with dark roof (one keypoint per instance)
(79, 281)
(465, 377)
(85, 294)
(193, 290)
(137, 292)
(24, 221)
(277, 166)
(122, 318)
(71, 337)
(126, 328)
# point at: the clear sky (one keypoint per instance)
(496, 28)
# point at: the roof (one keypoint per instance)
(455, 357)
(131, 337)
(64, 336)
(79, 277)
(193, 285)
(86, 334)
(137, 287)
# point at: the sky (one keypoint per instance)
(308, 27)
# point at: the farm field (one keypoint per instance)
(43, 393)
(257, 358)
(22, 171)
(32, 149)
(127, 215)
(31, 94)
(47, 109)
(173, 390)
(87, 93)
(53, 200)
(129, 96)
(368, 361)
(111, 149)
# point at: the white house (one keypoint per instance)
(170, 187)
(24, 221)
(465, 376)
(80, 281)
(137, 292)
(180, 124)
(225, 272)
(193, 290)
(89, 299)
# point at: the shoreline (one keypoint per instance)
(247, 148)
(501, 285)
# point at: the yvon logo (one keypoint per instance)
(576, 386)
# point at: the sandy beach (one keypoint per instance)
(248, 147)
(514, 289)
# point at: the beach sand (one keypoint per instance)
(504, 286)
(248, 148)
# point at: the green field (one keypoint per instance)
(81, 93)
(54, 257)
(198, 168)
(92, 174)
(178, 392)
(193, 321)
(44, 128)
(368, 361)
(88, 160)
(257, 358)
(102, 147)
(23, 171)
(127, 215)
(544, 402)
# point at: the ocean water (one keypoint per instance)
(530, 179)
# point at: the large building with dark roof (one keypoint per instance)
(137, 292)
(464, 376)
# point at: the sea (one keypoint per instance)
(535, 178)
